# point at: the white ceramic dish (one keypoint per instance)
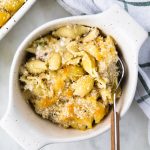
(15, 18)
(31, 131)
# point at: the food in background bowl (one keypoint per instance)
(8, 8)
(69, 76)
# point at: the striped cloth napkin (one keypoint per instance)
(140, 11)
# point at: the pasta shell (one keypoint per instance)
(74, 61)
(73, 47)
(106, 94)
(83, 85)
(88, 63)
(36, 66)
(99, 113)
(73, 72)
(101, 82)
(67, 56)
(71, 31)
(93, 50)
(54, 61)
(31, 50)
(91, 35)
(58, 85)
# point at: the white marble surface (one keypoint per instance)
(133, 124)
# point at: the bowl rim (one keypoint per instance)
(33, 34)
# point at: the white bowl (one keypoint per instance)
(15, 18)
(31, 131)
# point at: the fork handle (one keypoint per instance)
(115, 145)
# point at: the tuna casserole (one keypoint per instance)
(69, 75)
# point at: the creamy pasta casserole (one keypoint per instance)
(8, 8)
(69, 76)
